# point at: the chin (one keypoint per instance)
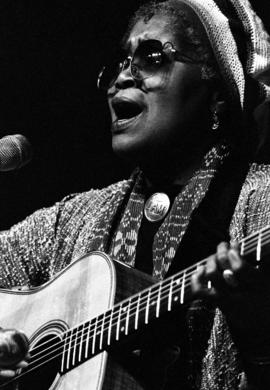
(128, 149)
(123, 150)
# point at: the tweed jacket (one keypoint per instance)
(34, 250)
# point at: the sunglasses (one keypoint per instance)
(149, 58)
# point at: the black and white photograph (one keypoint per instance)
(135, 195)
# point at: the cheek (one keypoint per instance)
(188, 89)
(177, 96)
(157, 83)
(192, 103)
(179, 116)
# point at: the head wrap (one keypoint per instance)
(230, 24)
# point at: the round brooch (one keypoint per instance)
(156, 207)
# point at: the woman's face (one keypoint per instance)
(168, 111)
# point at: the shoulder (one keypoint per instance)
(90, 203)
(257, 182)
(259, 174)
(252, 211)
(95, 196)
(71, 208)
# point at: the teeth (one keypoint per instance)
(120, 124)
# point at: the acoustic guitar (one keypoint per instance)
(88, 308)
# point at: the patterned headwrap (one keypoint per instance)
(230, 25)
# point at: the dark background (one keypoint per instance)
(50, 55)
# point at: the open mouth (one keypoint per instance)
(126, 109)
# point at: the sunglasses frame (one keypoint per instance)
(167, 50)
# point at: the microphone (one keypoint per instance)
(15, 152)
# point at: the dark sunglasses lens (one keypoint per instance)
(107, 75)
(148, 58)
(110, 71)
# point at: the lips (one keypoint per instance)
(126, 109)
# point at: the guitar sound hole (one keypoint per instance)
(43, 376)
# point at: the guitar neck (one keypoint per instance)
(131, 314)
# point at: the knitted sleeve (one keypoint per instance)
(35, 249)
(27, 249)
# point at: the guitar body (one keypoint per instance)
(85, 289)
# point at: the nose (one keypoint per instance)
(124, 79)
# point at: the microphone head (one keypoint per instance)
(15, 152)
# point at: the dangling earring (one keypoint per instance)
(216, 123)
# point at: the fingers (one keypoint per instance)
(13, 347)
(21, 340)
(230, 263)
(222, 255)
(22, 364)
(7, 373)
(14, 353)
(224, 271)
(201, 286)
(229, 278)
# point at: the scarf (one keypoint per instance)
(172, 230)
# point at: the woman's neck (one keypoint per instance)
(172, 169)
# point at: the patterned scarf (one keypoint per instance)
(171, 232)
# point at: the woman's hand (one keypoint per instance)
(14, 353)
(243, 294)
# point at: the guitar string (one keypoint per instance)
(98, 324)
(42, 363)
(75, 336)
(75, 345)
(55, 356)
(191, 268)
(33, 368)
(262, 234)
(97, 328)
(157, 285)
(58, 354)
(104, 328)
(252, 239)
(153, 294)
